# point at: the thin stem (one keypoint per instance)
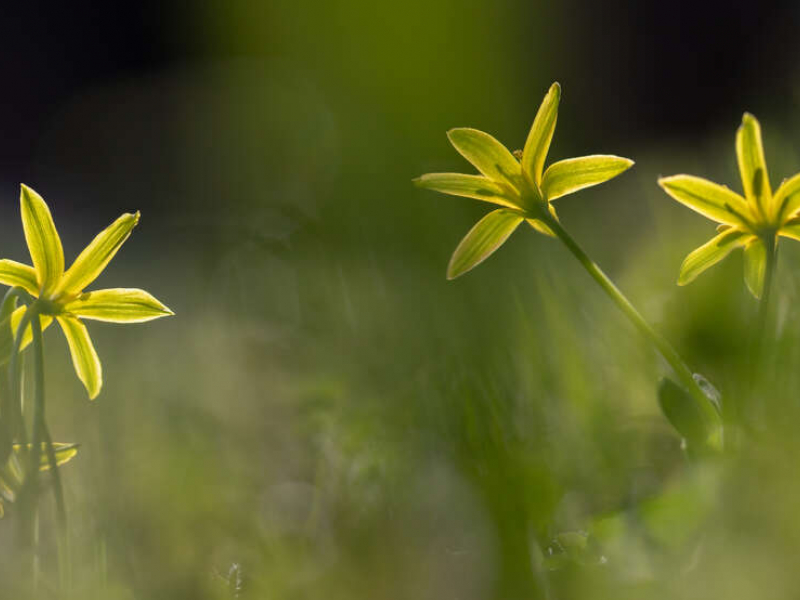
(662, 345)
(758, 343)
(769, 275)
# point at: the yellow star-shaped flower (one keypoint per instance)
(60, 295)
(522, 187)
(754, 221)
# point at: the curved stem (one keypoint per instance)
(666, 350)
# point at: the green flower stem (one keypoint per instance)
(58, 491)
(769, 275)
(10, 405)
(662, 345)
(27, 495)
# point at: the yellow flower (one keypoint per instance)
(753, 221)
(12, 475)
(522, 187)
(60, 294)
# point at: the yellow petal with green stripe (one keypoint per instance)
(94, 258)
(573, 174)
(540, 135)
(118, 305)
(755, 266)
(84, 357)
(711, 253)
(752, 165)
(13, 273)
(483, 239)
(709, 199)
(468, 186)
(787, 197)
(42, 238)
(487, 155)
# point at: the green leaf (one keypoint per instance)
(84, 357)
(488, 155)
(540, 135)
(13, 273)
(709, 199)
(711, 253)
(682, 411)
(485, 237)
(42, 238)
(469, 186)
(568, 176)
(118, 305)
(787, 197)
(94, 258)
(752, 165)
(755, 266)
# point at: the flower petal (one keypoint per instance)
(118, 305)
(787, 197)
(13, 273)
(791, 229)
(573, 174)
(709, 199)
(64, 453)
(485, 237)
(711, 253)
(488, 155)
(755, 266)
(27, 337)
(541, 227)
(42, 238)
(752, 165)
(468, 186)
(94, 258)
(84, 357)
(540, 135)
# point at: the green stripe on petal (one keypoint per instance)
(84, 357)
(118, 305)
(540, 135)
(485, 237)
(468, 186)
(709, 199)
(568, 176)
(755, 266)
(488, 155)
(752, 165)
(42, 238)
(13, 273)
(94, 258)
(711, 253)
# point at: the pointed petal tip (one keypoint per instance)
(555, 88)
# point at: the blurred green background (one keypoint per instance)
(327, 416)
